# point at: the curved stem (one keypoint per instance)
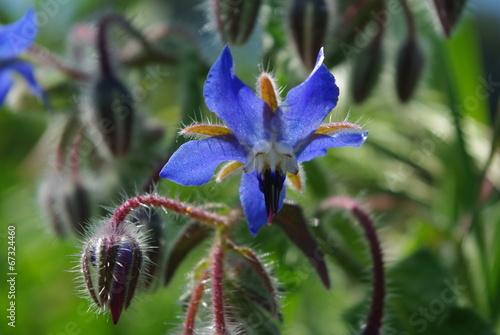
(102, 41)
(374, 322)
(102, 45)
(131, 56)
(45, 57)
(188, 210)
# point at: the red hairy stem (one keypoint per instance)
(194, 303)
(217, 291)
(45, 57)
(374, 322)
(169, 204)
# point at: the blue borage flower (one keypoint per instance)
(15, 38)
(264, 137)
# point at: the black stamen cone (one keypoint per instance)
(271, 184)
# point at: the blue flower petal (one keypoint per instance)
(26, 70)
(306, 106)
(319, 143)
(194, 163)
(18, 36)
(252, 200)
(5, 84)
(234, 102)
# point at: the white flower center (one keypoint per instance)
(273, 155)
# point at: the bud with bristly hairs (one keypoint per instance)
(112, 264)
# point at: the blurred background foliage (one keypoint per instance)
(429, 171)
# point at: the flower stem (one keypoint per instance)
(45, 57)
(374, 322)
(102, 40)
(217, 291)
(208, 218)
(194, 303)
(410, 21)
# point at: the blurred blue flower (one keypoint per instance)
(15, 38)
(265, 138)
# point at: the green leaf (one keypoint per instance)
(190, 237)
(462, 321)
(291, 219)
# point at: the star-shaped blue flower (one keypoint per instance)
(268, 139)
(15, 38)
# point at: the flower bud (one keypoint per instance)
(308, 22)
(67, 204)
(112, 267)
(409, 69)
(366, 70)
(113, 114)
(250, 293)
(235, 19)
(353, 30)
(449, 12)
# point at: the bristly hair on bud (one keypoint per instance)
(112, 265)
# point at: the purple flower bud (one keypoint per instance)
(449, 12)
(112, 267)
(366, 70)
(113, 114)
(308, 22)
(409, 69)
(235, 19)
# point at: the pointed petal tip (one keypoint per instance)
(226, 55)
(115, 314)
(319, 60)
(163, 172)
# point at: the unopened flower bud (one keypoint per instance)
(449, 12)
(235, 19)
(409, 69)
(66, 202)
(113, 114)
(250, 290)
(366, 70)
(112, 266)
(308, 22)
